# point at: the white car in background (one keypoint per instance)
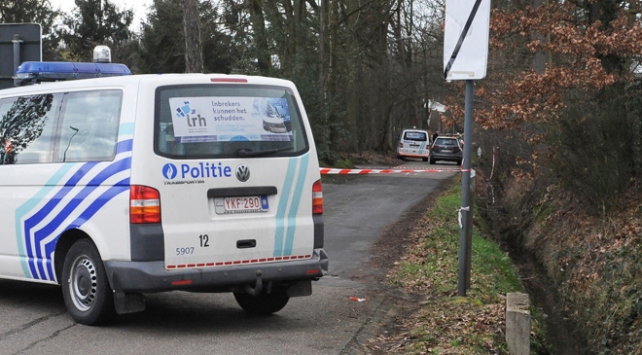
(414, 143)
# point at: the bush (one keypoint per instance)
(591, 151)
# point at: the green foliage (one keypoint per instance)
(96, 22)
(500, 276)
(162, 40)
(162, 44)
(344, 163)
(591, 151)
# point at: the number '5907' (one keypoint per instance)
(185, 251)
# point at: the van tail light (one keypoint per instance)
(144, 205)
(317, 198)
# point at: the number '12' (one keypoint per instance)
(205, 240)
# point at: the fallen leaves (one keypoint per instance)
(440, 322)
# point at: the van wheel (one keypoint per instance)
(432, 161)
(424, 159)
(85, 288)
(264, 303)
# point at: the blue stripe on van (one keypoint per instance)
(283, 204)
(30, 205)
(296, 200)
(94, 207)
(45, 210)
(36, 263)
(44, 232)
(124, 146)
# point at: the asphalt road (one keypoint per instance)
(33, 319)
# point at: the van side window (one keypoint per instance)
(89, 126)
(59, 127)
(27, 125)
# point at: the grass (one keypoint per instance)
(447, 323)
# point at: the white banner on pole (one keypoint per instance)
(466, 39)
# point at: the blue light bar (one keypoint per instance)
(35, 72)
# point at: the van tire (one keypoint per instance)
(424, 159)
(264, 303)
(432, 161)
(85, 287)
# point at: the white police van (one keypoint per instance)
(414, 143)
(119, 186)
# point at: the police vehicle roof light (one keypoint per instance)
(102, 54)
(36, 72)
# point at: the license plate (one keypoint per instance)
(446, 151)
(244, 204)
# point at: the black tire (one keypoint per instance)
(432, 161)
(400, 157)
(85, 288)
(459, 162)
(424, 159)
(264, 303)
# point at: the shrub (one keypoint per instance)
(591, 152)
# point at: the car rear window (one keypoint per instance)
(218, 121)
(415, 136)
(446, 141)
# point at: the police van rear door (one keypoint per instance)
(236, 165)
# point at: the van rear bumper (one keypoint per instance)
(413, 153)
(151, 276)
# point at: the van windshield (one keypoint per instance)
(218, 121)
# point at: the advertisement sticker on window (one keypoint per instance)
(214, 119)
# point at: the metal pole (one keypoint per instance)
(464, 254)
(16, 55)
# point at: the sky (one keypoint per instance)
(139, 7)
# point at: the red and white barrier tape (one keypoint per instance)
(327, 171)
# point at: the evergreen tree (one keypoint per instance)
(162, 39)
(96, 22)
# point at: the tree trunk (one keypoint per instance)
(260, 38)
(193, 45)
(352, 51)
(539, 58)
(323, 43)
(300, 33)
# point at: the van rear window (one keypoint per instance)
(416, 136)
(215, 121)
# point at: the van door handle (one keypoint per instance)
(246, 243)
